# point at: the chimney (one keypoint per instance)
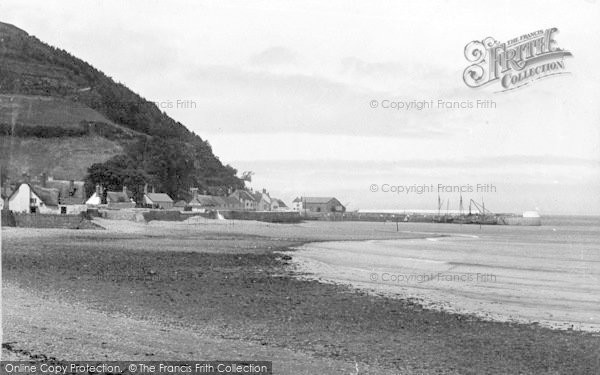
(153, 189)
(264, 191)
(99, 190)
(194, 192)
(44, 179)
(71, 187)
(124, 189)
(145, 188)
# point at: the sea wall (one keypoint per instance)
(141, 215)
(47, 221)
(267, 216)
(131, 215)
(167, 215)
(368, 216)
(519, 220)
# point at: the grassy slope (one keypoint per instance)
(67, 157)
(45, 111)
(59, 157)
(29, 110)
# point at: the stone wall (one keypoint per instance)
(52, 221)
(268, 216)
(169, 215)
(8, 220)
(131, 215)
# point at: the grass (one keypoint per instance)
(59, 157)
(46, 111)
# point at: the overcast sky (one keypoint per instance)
(284, 89)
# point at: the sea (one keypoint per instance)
(547, 275)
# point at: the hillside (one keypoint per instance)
(56, 136)
(53, 101)
(45, 111)
(63, 158)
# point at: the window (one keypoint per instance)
(33, 201)
(63, 210)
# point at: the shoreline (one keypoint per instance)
(238, 288)
(448, 308)
(313, 265)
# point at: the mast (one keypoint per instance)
(482, 220)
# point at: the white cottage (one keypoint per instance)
(26, 199)
(96, 198)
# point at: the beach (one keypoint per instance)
(547, 275)
(204, 289)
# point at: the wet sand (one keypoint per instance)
(490, 276)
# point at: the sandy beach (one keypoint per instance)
(535, 278)
(202, 289)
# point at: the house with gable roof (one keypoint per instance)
(263, 200)
(247, 201)
(318, 204)
(31, 200)
(158, 200)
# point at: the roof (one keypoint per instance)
(279, 202)
(68, 193)
(159, 197)
(317, 200)
(181, 203)
(49, 196)
(243, 194)
(204, 200)
(117, 196)
(230, 200)
(258, 196)
(213, 201)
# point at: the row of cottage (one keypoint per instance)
(52, 196)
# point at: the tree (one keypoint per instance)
(116, 173)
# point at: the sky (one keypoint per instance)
(285, 89)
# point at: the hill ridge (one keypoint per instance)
(170, 156)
